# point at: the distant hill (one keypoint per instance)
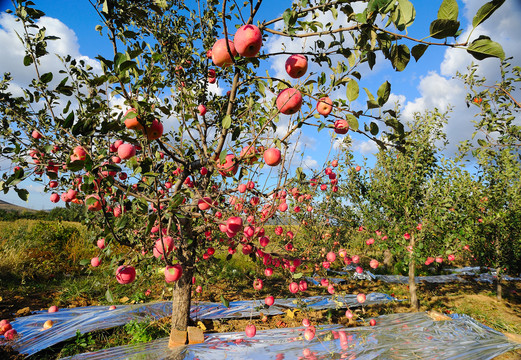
(4, 205)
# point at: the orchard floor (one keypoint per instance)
(477, 300)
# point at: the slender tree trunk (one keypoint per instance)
(412, 283)
(388, 258)
(182, 294)
(499, 288)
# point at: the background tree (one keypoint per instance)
(496, 202)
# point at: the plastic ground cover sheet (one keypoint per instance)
(397, 336)
(349, 270)
(33, 338)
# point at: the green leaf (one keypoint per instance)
(418, 50)
(108, 296)
(407, 13)
(84, 262)
(373, 128)
(369, 95)
(121, 223)
(352, 121)
(372, 104)
(297, 275)
(127, 65)
(400, 56)
(22, 194)
(443, 28)
(485, 11)
(225, 302)
(47, 77)
(69, 120)
(483, 48)
(383, 93)
(28, 60)
(227, 122)
(76, 165)
(352, 90)
(448, 10)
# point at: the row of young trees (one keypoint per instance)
(203, 184)
(436, 208)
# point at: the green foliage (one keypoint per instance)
(40, 249)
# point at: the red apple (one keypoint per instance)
(270, 300)
(36, 134)
(234, 224)
(126, 151)
(341, 126)
(306, 322)
(309, 333)
(272, 157)
(132, 123)
(248, 40)
(202, 109)
(372, 322)
(55, 197)
(302, 285)
(10, 334)
(78, 153)
(220, 55)
(360, 298)
(53, 309)
(358, 168)
(296, 65)
(95, 261)
(374, 263)
(251, 330)
(5, 326)
(101, 243)
(95, 206)
(324, 106)
(248, 153)
(173, 273)
(289, 101)
(204, 203)
(331, 256)
(268, 271)
(168, 242)
(258, 284)
(155, 130)
(125, 274)
(229, 168)
(293, 287)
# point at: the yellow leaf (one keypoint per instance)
(201, 325)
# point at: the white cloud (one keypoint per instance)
(439, 89)
(12, 60)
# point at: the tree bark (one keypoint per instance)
(499, 288)
(182, 294)
(412, 283)
(388, 258)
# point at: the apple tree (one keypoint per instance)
(174, 168)
(495, 206)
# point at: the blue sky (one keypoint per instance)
(422, 85)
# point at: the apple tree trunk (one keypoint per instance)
(499, 289)
(182, 294)
(412, 281)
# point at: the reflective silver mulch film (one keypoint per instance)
(397, 337)
(67, 322)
